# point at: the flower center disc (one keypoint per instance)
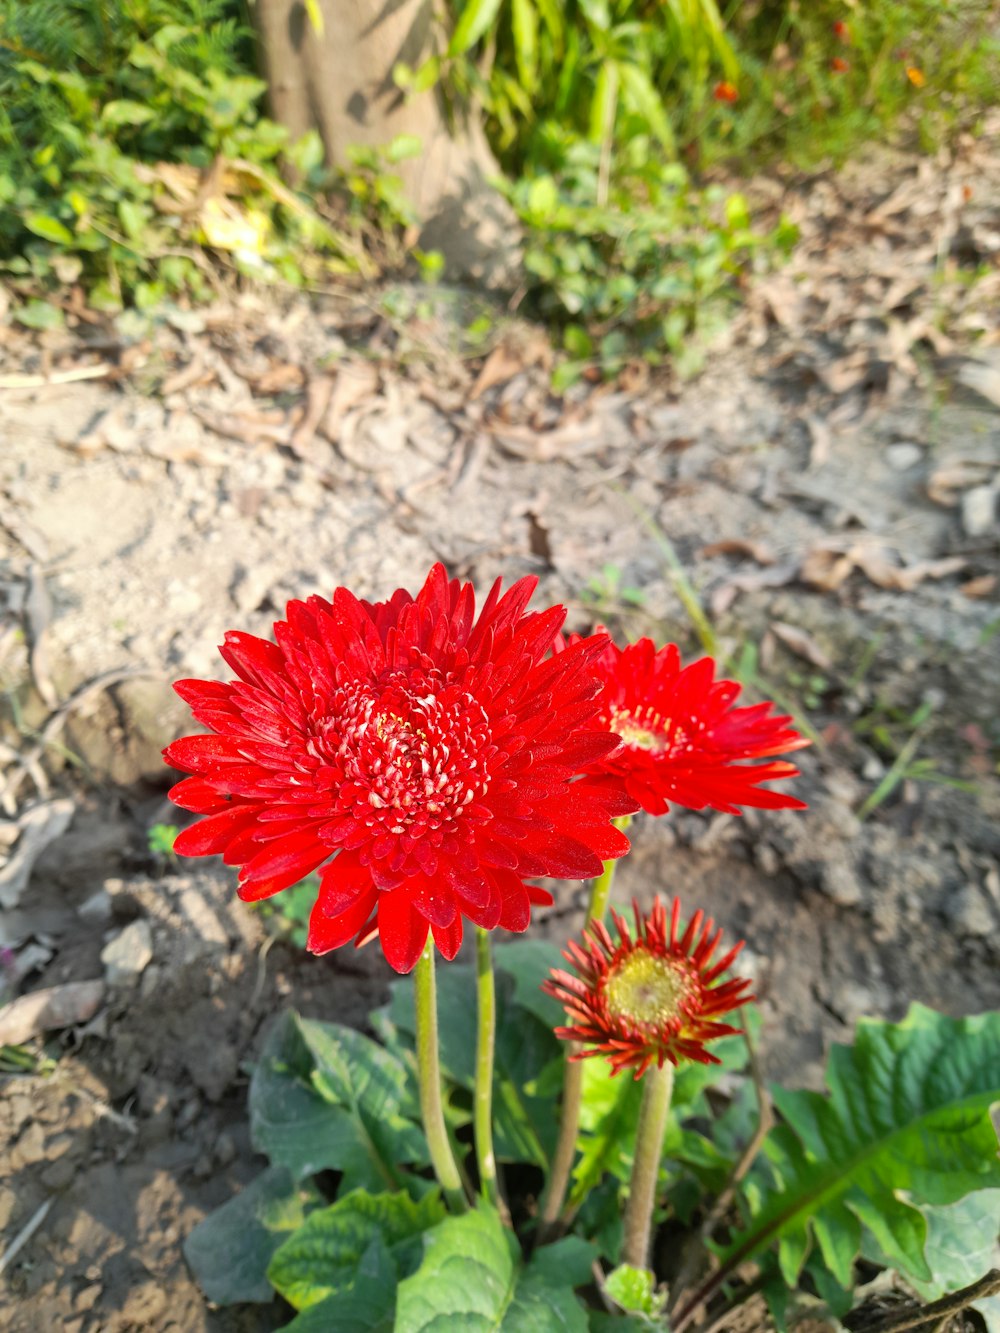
(647, 989)
(642, 728)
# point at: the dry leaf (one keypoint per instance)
(740, 546)
(777, 576)
(802, 644)
(318, 395)
(979, 587)
(502, 364)
(356, 382)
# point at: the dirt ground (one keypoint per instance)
(830, 486)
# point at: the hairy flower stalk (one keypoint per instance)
(429, 1079)
(647, 1004)
(482, 1117)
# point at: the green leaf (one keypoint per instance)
(36, 314)
(123, 112)
(367, 1307)
(322, 1257)
(404, 146)
(470, 1280)
(640, 96)
(633, 1289)
(963, 1243)
(609, 1113)
(324, 1096)
(907, 1118)
(528, 962)
(49, 228)
(475, 19)
(524, 24)
(230, 1250)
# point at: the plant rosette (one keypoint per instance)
(480, 1162)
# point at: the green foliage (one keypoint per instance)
(906, 1124)
(634, 1289)
(321, 1259)
(161, 838)
(286, 917)
(471, 1278)
(326, 1097)
(230, 1250)
(130, 137)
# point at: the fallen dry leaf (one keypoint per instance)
(980, 587)
(828, 567)
(742, 547)
(502, 364)
(356, 382)
(319, 392)
(801, 644)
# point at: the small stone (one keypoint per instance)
(202, 1168)
(30, 1147)
(96, 910)
(839, 882)
(970, 913)
(128, 954)
(904, 456)
(89, 1297)
(225, 1148)
(979, 510)
(59, 1175)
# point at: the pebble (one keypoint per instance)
(903, 456)
(225, 1148)
(128, 954)
(979, 510)
(96, 910)
(839, 882)
(970, 912)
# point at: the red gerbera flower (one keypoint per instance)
(429, 753)
(684, 741)
(726, 92)
(839, 65)
(651, 998)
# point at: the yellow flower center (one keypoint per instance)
(647, 988)
(643, 728)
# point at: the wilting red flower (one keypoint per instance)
(429, 753)
(726, 92)
(839, 65)
(652, 998)
(684, 741)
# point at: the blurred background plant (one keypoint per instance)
(136, 159)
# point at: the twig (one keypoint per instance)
(72, 376)
(24, 1235)
(937, 1311)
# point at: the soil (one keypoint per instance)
(229, 460)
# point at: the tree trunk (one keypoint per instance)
(340, 81)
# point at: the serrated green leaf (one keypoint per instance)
(230, 1250)
(48, 228)
(632, 1288)
(322, 1257)
(473, 23)
(368, 1307)
(906, 1120)
(323, 1096)
(470, 1280)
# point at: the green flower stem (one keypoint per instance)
(601, 890)
(429, 1077)
(657, 1086)
(483, 1104)
(569, 1121)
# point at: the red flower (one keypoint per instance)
(839, 65)
(429, 753)
(651, 998)
(684, 741)
(726, 92)
(841, 31)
